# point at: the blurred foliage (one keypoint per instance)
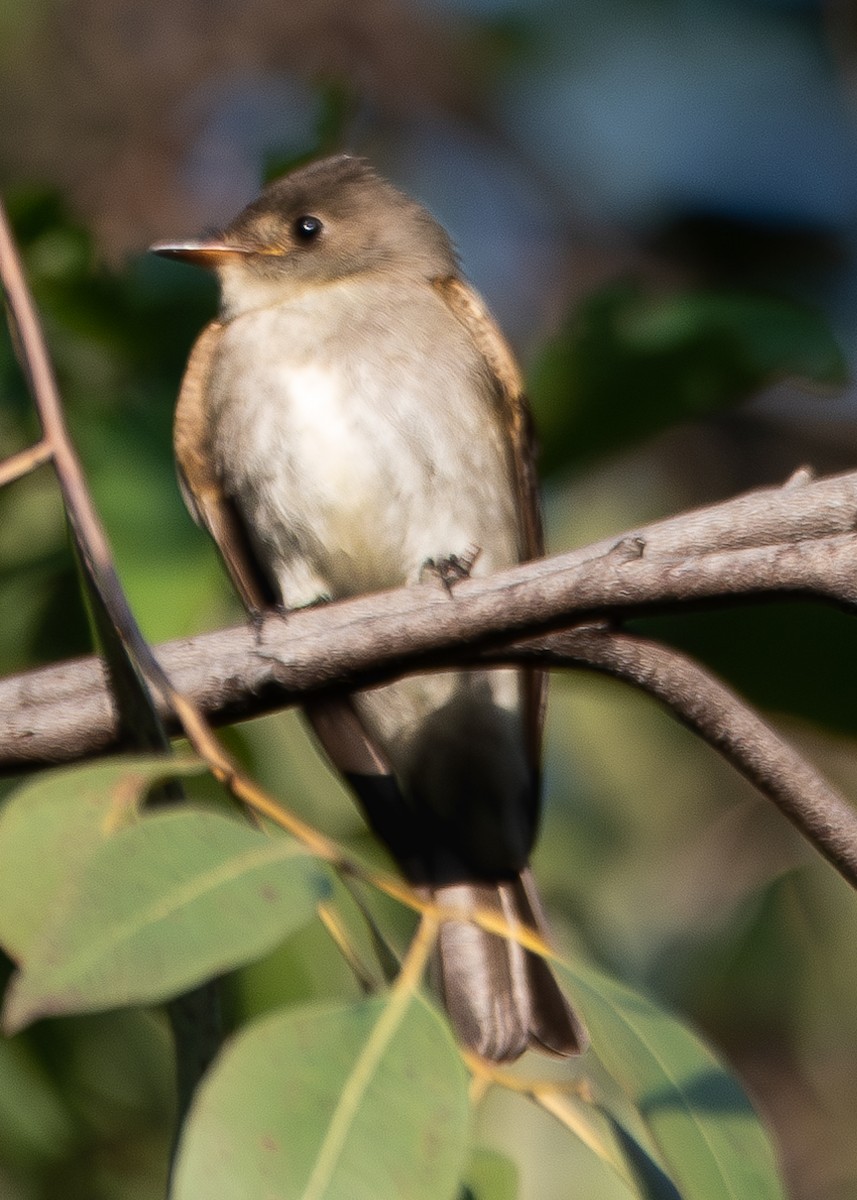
(119, 343)
(733, 926)
(337, 108)
(745, 645)
(627, 365)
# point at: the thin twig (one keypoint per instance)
(132, 668)
(24, 462)
(86, 524)
(335, 926)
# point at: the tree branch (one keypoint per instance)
(712, 710)
(725, 551)
(790, 540)
(24, 462)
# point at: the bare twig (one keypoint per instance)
(86, 525)
(130, 664)
(24, 462)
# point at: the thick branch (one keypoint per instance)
(713, 711)
(708, 707)
(794, 539)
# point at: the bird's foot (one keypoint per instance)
(258, 617)
(451, 569)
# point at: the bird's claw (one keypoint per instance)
(451, 569)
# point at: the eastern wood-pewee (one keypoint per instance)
(353, 418)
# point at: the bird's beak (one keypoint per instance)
(208, 253)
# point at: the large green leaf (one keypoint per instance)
(34, 1122)
(163, 904)
(345, 1102)
(50, 827)
(613, 1130)
(709, 1137)
(491, 1176)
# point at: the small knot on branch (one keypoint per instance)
(628, 548)
(800, 477)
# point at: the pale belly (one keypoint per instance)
(353, 469)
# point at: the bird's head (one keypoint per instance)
(319, 225)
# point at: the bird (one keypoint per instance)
(353, 421)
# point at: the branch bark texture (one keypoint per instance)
(797, 539)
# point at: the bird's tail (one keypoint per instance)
(502, 998)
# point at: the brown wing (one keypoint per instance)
(201, 489)
(334, 719)
(470, 310)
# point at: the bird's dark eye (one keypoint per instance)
(306, 228)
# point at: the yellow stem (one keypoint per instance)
(370, 1056)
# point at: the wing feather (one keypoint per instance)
(209, 506)
(468, 307)
(334, 719)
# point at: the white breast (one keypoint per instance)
(358, 434)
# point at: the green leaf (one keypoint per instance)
(49, 828)
(628, 365)
(491, 1176)
(345, 1102)
(163, 904)
(614, 1132)
(711, 1141)
(34, 1122)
